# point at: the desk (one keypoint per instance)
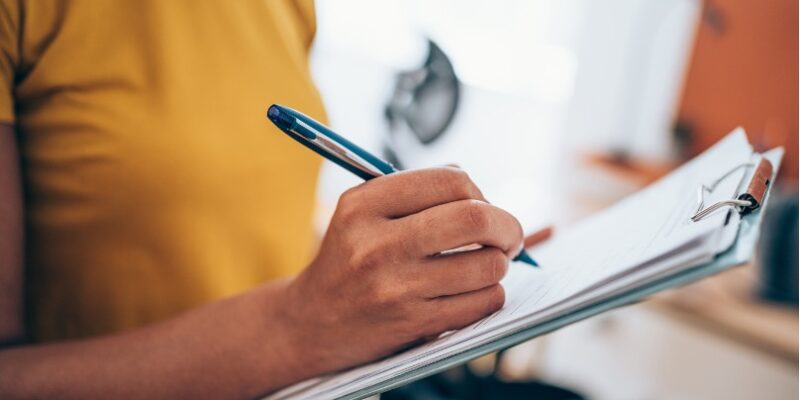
(725, 306)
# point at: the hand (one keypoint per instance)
(378, 284)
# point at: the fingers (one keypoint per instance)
(455, 312)
(409, 192)
(458, 273)
(459, 223)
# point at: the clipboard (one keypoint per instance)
(739, 253)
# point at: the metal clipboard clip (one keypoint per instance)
(746, 202)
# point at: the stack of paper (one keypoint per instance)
(642, 238)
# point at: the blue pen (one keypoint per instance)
(343, 152)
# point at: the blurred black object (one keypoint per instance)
(682, 135)
(425, 99)
(461, 384)
(778, 251)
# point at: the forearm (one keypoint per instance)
(234, 348)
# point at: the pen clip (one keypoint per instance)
(333, 148)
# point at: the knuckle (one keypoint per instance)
(450, 182)
(363, 258)
(374, 291)
(387, 295)
(476, 215)
(348, 206)
(459, 183)
(456, 175)
(349, 196)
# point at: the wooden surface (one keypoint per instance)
(726, 305)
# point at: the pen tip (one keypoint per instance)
(524, 257)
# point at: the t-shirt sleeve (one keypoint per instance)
(308, 18)
(9, 49)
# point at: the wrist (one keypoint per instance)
(285, 343)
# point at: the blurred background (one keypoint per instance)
(559, 108)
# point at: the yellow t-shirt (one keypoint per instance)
(153, 181)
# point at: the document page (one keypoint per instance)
(645, 235)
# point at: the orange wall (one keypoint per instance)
(744, 72)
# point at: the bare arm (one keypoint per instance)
(375, 287)
(230, 349)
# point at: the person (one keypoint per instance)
(155, 230)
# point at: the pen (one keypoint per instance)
(339, 150)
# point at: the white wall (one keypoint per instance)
(543, 79)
